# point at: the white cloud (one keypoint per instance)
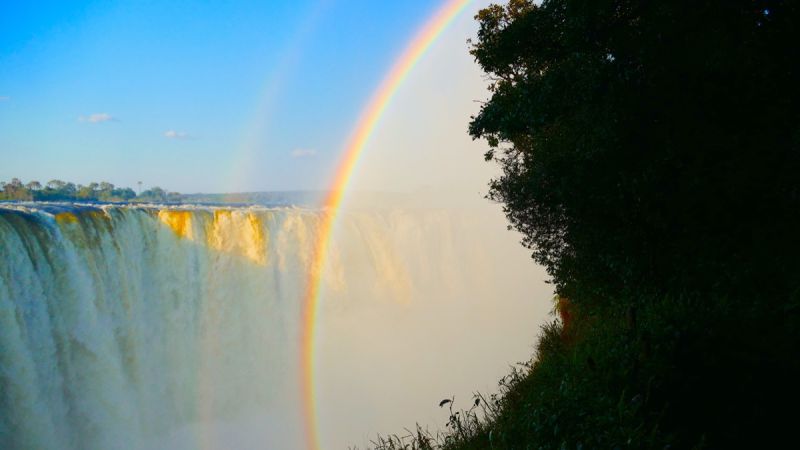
(303, 153)
(172, 134)
(97, 118)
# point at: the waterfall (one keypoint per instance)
(148, 326)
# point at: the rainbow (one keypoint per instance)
(364, 128)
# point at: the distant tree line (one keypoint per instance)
(55, 190)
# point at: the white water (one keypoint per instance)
(150, 327)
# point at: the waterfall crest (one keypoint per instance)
(124, 326)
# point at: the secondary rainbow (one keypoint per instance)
(370, 116)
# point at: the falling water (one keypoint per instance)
(177, 327)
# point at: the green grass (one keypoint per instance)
(668, 374)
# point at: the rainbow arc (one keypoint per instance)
(365, 126)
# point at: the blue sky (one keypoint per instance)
(192, 96)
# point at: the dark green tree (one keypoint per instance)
(56, 184)
(650, 155)
(648, 145)
(124, 194)
(69, 189)
(154, 194)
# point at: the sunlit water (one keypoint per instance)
(178, 327)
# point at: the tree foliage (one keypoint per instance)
(58, 190)
(650, 155)
(647, 145)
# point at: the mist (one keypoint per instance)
(389, 352)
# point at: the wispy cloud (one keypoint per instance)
(172, 134)
(97, 118)
(303, 153)
(4, 98)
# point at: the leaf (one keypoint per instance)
(444, 402)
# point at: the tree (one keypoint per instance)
(86, 192)
(124, 194)
(56, 185)
(56, 190)
(647, 145)
(105, 186)
(650, 154)
(155, 193)
(15, 190)
(105, 191)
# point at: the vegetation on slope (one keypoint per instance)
(650, 155)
